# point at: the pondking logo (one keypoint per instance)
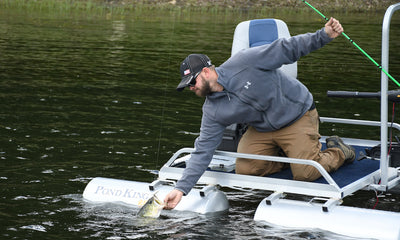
(125, 193)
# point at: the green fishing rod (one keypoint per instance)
(356, 45)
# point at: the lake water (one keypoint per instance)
(86, 95)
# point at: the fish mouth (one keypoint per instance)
(158, 201)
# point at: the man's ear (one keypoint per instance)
(206, 72)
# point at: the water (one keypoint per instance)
(85, 95)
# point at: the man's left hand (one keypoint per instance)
(333, 28)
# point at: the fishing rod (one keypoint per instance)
(393, 95)
(356, 45)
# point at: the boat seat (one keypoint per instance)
(249, 34)
(259, 32)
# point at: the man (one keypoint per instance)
(279, 110)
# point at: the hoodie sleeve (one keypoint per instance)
(285, 50)
(211, 133)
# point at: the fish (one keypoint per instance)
(152, 208)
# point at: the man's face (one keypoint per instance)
(202, 87)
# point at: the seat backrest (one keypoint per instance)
(258, 32)
(249, 34)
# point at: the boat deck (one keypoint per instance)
(346, 180)
(346, 174)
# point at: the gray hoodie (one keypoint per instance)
(256, 93)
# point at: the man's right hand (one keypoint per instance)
(172, 199)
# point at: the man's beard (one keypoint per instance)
(206, 88)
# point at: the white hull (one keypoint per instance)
(102, 190)
(349, 221)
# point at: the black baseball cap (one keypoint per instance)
(191, 67)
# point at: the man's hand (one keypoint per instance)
(333, 28)
(172, 199)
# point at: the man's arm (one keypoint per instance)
(289, 50)
(211, 134)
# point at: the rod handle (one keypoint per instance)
(350, 94)
(393, 95)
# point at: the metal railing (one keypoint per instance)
(329, 189)
(384, 89)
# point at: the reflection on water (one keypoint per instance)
(88, 96)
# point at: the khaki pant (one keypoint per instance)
(299, 140)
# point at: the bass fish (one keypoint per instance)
(152, 208)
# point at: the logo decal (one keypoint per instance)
(186, 72)
(247, 85)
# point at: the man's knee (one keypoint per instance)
(247, 167)
(306, 174)
(257, 167)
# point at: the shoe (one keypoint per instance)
(348, 151)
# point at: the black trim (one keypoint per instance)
(312, 106)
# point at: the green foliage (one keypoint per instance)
(210, 6)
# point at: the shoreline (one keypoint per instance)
(203, 5)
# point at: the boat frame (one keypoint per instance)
(383, 179)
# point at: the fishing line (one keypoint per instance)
(356, 45)
(377, 200)
(165, 96)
